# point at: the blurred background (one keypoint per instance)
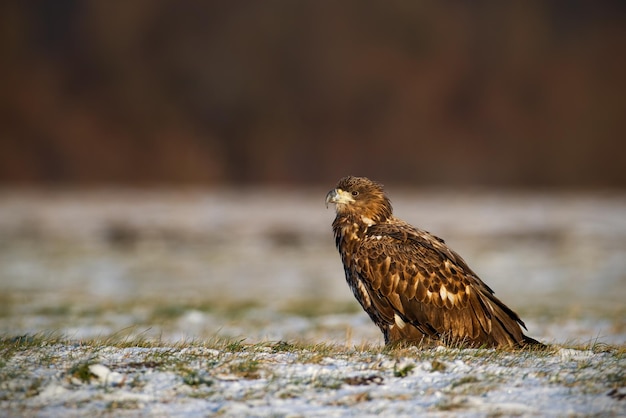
(523, 93)
(163, 163)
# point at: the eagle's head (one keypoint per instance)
(362, 198)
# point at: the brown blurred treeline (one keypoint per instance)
(489, 93)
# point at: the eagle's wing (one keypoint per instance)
(413, 278)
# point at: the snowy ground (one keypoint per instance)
(234, 303)
(57, 378)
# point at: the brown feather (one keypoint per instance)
(411, 284)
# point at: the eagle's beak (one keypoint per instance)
(338, 196)
(331, 197)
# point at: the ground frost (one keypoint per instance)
(65, 379)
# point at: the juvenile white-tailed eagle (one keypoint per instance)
(412, 285)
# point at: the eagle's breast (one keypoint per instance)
(349, 235)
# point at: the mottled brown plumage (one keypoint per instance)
(412, 285)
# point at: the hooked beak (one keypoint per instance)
(331, 197)
(338, 196)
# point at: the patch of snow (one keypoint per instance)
(578, 355)
(105, 376)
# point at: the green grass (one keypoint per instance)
(127, 337)
(312, 309)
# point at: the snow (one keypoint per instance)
(466, 383)
(114, 303)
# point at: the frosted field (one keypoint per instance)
(233, 303)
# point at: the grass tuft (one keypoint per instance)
(437, 366)
(81, 372)
(403, 371)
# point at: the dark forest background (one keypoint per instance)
(476, 93)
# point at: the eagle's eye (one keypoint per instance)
(355, 193)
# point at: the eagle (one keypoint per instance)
(414, 287)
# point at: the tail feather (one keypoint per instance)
(529, 342)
